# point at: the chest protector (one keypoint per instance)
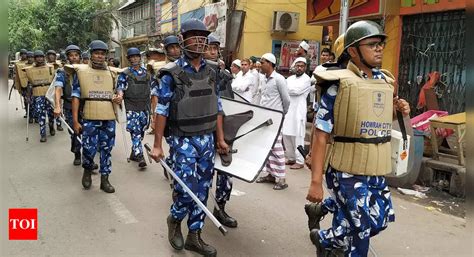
(193, 108)
(67, 89)
(40, 78)
(97, 89)
(21, 80)
(363, 114)
(137, 93)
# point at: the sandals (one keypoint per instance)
(267, 179)
(280, 185)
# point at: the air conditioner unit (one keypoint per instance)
(285, 21)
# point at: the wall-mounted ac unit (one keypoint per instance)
(285, 21)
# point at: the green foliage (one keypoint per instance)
(53, 24)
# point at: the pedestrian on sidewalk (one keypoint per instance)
(294, 125)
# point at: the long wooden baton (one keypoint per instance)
(193, 196)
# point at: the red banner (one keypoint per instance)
(327, 11)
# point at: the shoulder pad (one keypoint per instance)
(171, 68)
(388, 76)
(333, 75)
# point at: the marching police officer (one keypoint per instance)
(225, 77)
(133, 86)
(63, 84)
(40, 76)
(51, 60)
(85, 58)
(362, 206)
(94, 85)
(20, 79)
(189, 107)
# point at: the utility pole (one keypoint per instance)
(344, 16)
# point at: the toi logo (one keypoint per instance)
(22, 224)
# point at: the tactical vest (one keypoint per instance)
(97, 89)
(193, 108)
(363, 114)
(137, 93)
(40, 77)
(21, 80)
(67, 89)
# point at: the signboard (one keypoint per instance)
(288, 50)
(214, 16)
(327, 11)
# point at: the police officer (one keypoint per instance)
(94, 85)
(225, 77)
(85, 58)
(172, 48)
(28, 97)
(362, 205)
(63, 84)
(51, 59)
(133, 86)
(189, 107)
(40, 76)
(20, 79)
(224, 182)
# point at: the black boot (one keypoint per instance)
(133, 157)
(60, 128)
(315, 214)
(195, 243)
(86, 179)
(77, 159)
(43, 139)
(223, 217)
(175, 237)
(105, 184)
(52, 131)
(141, 162)
(320, 250)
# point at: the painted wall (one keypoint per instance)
(257, 35)
(183, 6)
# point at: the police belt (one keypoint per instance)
(41, 85)
(375, 140)
(190, 121)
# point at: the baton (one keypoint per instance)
(264, 124)
(193, 196)
(69, 128)
(27, 119)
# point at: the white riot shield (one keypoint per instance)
(253, 148)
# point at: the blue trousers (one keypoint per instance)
(43, 108)
(361, 207)
(193, 162)
(137, 123)
(98, 135)
(75, 145)
(223, 187)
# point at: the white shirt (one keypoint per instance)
(275, 93)
(295, 120)
(242, 85)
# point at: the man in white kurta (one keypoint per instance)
(244, 83)
(294, 125)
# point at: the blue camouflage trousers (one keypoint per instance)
(98, 135)
(137, 123)
(193, 162)
(43, 108)
(75, 145)
(223, 187)
(361, 207)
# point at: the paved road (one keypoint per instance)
(131, 222)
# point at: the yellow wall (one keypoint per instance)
(391, 52)
(257, 35)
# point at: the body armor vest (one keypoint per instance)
(137, 93)
(21, 80)
(67, 89)
(97, 89)
(193, 108)
(40, 77)
(363, 114)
